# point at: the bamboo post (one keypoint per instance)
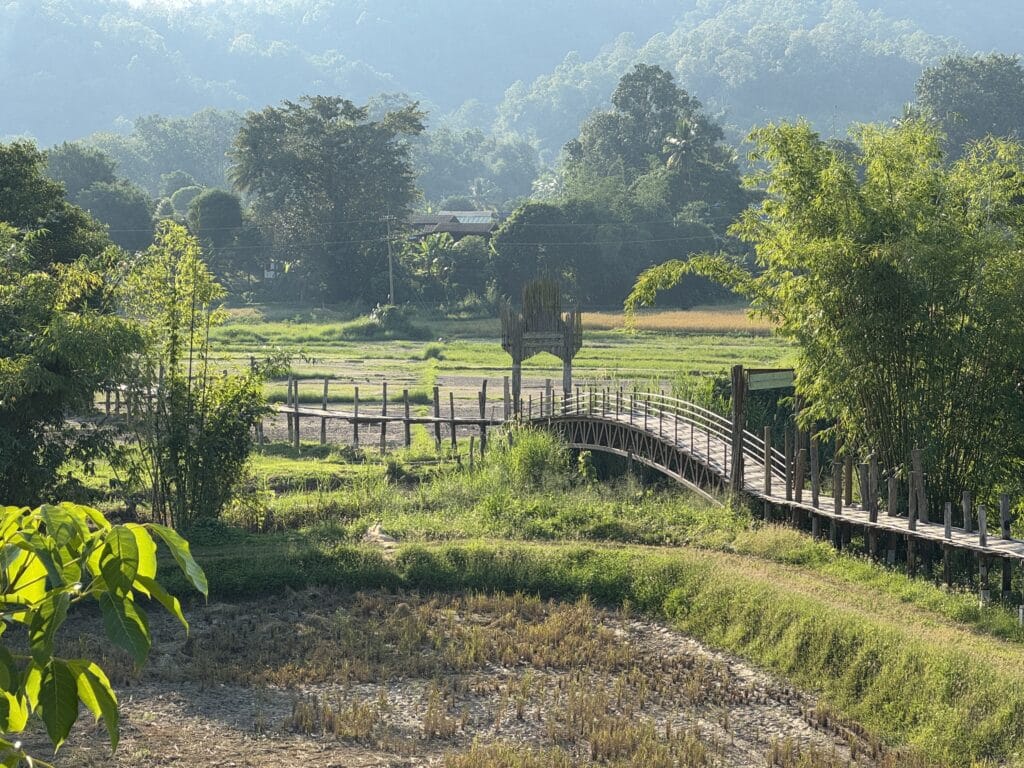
(848, 480)
(739, 419)
(437, 417)
(482, 398)
(788, 449)
(862, 477)
(384, 418)
(947, 558)
(873, 480)
(323, 419)
(1004, 530)
(801, 463)
(984, 591)
(837, 486)
(815, 476)
(767, 460)
(288, 413)
(355, 417)
(919, 490)
(295, 407)
(912, 503)
(451, 406)
(405, 422)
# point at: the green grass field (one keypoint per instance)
(925, 670)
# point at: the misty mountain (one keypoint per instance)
(532, 68)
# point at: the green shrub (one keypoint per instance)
(432, 352)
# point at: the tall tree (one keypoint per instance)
(60, 340)
(973, 97)
(78, 166)
(324, 180)
(899, 278)
(123, 207)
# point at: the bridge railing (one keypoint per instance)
(686, 424)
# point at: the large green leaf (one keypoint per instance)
(58, 701)
(46, 620)
(126, 625)
(96, 693)
(183, 557)
(62, 524)
(147, 555)
(26, 582)
(119, 559)
(165, 598)
(13, 713)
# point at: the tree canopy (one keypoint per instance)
(898, 275)
(324, 180)
(973, 97)
(60, 340)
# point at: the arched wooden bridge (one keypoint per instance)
(703, 451)
(697, 448)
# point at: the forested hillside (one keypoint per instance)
(73, 67)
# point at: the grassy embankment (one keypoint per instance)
(914, 664)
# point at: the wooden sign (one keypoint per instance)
(775, 378)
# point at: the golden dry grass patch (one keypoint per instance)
(713, 320)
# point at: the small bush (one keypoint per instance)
(432, 352)
(532, 458)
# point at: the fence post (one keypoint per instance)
(815, 478)
(1004, 529)
(355, 417)
(482, 396)
(408, 426)
(437, 417)
(507, 398)
(801, 464)
(451, 406)
(767, 460)
(912, 503)
(323, 419)
(966, 504)
(295, 406)
(383, 418)
(948, 520)
(837, 486)
(788, 443)
(739, 397)
(894, 496)
(983, 525)
(873, 478)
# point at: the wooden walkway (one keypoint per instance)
(693, 446)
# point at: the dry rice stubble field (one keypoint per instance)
(371, 679)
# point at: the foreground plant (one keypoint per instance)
(51, 558)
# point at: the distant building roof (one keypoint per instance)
(458, 224)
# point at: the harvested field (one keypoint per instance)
(326, 679)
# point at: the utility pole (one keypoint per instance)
(391, 266)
